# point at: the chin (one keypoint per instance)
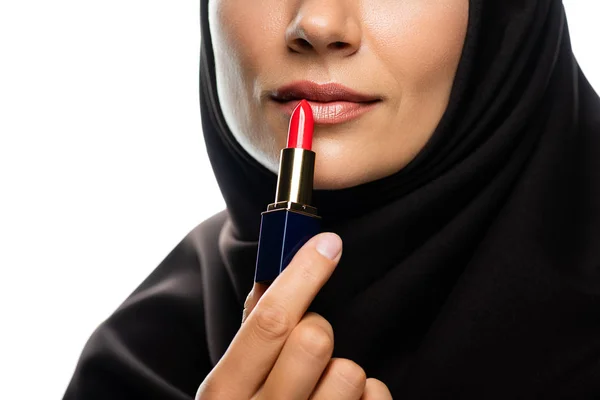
(335, 177)
(332, 183)
(342, 173)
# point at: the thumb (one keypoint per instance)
(255, 294)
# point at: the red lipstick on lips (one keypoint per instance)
(290, 221)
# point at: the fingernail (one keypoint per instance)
(329, 245)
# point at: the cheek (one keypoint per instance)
(229, 44)
(244, 32)
(419, 41)
(242, 37)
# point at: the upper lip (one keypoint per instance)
(322, 93)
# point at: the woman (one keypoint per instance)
(460, 166)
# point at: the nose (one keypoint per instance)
(324, 27)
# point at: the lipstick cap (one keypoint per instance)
(282, 233)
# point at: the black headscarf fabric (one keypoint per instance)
(472, 273)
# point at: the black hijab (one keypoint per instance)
(472, 273)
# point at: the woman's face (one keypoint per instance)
(392, 63)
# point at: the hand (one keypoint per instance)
(281, 353)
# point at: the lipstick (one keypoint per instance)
(290, 221)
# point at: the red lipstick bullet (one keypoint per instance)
(302, 126)
(290, 221)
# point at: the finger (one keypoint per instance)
(376, 390)
(303, 358)
(255, 348)
(342, 379)
(255, 294)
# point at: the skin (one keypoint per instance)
(404, 52)
(282, 352)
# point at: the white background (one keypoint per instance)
(102, 165)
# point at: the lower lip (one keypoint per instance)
(335, 112)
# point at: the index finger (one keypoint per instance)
(254, 350)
